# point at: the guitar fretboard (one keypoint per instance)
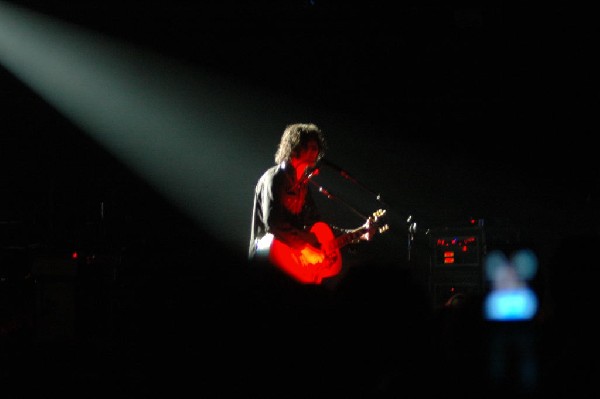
(347, 238)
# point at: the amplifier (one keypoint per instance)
(457, 247)
(456, 262)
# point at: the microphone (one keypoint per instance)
(309, 172)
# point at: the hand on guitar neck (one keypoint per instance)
(369, 230)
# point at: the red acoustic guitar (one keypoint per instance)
(312, 266)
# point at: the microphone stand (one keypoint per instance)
(347, 176)
(330, 196)
(412, 229)
(412, 226)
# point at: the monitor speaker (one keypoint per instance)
(456, 263)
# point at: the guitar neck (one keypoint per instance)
(347, 238)
(351, 236)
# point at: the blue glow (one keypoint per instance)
(513, 304)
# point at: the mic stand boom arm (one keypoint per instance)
(326, 193)
(347, 176)
(412, 226)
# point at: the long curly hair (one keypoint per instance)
(296, 137)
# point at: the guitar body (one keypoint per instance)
(310, 265)
(301, 265)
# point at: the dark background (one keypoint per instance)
(478, 111)
(485, 111)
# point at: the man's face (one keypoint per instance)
(309, 154)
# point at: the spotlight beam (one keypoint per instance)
(189, 133)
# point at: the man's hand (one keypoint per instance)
(371, 226)
(370, 230)
(311, 255)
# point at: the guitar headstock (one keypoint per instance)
(376, 220)
(378, 214)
